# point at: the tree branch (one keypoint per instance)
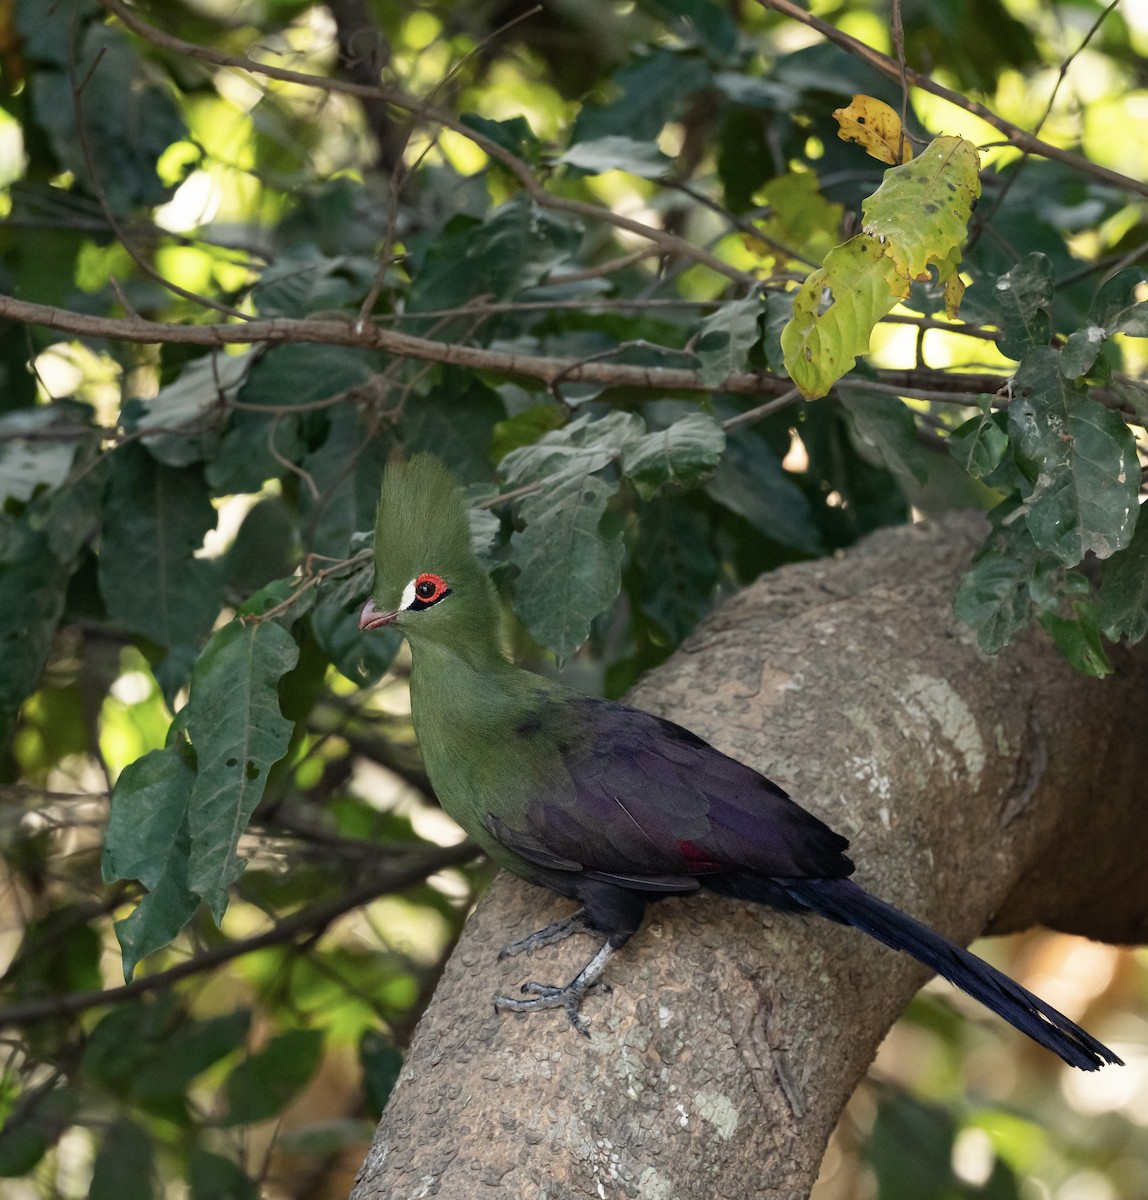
(278, 331)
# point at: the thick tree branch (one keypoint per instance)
(734, 1035)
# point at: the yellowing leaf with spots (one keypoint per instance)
(921, 210)
(873, 125)
(917, 219)
(835, 310)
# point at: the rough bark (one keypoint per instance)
(976, 794)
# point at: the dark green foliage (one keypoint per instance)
(911, 1153)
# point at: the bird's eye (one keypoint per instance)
(426, 590)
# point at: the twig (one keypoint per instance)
(305, 923)
(1018, 137)
(668, 244)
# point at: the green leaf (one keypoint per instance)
(454, 421)
(239, 733)
(649, 92)
(525, 428)
(751, 482)
(118, 95)
(125, 1166)
(993, 595)
(700, 22)
(382, 1063)
(347, 471)
(517, 246)
(1079, 639)
(33, 584)
(1022, 298)
(147, 839)
(148, 803)
(1081, 351)
(1116, 308)
(1079, 459)
(155, 520)
(585, 445)
(263, 1085)
(569, 570)
(678, 570)
(213, 1177)
(303, 280)
(31, 1125)
(980, 444)
(513, 134)
(618, 153)
(683, 453)
(726, 337)
(187, 1051)
(30, 463)
(162, 914)
(173, 425)
(335, 624)
(886, 424)
(1124, 589)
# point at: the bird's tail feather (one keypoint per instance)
(844, 901)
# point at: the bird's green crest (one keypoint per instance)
(426, 572)
(421, 524)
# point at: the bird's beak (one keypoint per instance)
(373, 618)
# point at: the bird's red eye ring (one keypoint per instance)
(429, 589)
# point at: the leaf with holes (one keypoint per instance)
(921, 211)
(1079, 460)
(875, 127)
(834, 313)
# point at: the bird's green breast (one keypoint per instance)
(488, 740)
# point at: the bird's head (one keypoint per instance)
(428, 582)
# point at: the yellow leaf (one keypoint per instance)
(872, 124)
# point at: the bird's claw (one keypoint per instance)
(549, 995)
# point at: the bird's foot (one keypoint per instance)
(577, 922)
(569, 997)
(540, 996)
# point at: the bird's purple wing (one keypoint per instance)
(647, 804)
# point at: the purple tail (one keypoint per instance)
(844, 901)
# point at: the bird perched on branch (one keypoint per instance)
(607, 804)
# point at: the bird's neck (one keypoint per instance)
(468, 686)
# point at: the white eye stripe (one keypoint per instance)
(408, 597)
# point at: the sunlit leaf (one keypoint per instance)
(874, 126)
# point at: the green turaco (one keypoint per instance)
(604, 803)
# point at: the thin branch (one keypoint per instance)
(323, 330)
(668, 244)
(306, 923)
(1018, 137)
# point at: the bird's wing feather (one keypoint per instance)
(645, 799)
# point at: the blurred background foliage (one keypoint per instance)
(156, 482)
